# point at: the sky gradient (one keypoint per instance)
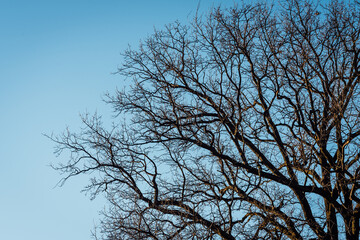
(57, 59)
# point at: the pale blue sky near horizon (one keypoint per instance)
(56, 62)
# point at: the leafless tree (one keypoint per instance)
(242, 125)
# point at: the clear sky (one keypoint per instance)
(56, 60)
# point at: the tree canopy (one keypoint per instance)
(243, 124)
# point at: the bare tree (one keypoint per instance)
(242, 125)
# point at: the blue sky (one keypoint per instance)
(56, 60)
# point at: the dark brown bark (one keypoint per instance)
(243, 125)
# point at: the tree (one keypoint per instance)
(242, 125)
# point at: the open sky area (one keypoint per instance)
(56, 62)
